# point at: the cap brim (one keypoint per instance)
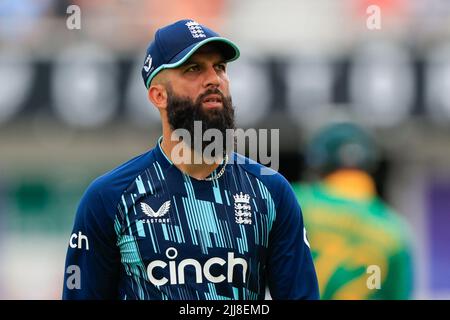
(231, 53)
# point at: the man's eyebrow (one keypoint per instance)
(194, 61)
(189, 61)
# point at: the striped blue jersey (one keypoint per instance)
(145, 230)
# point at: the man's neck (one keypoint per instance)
(351, 183)
(194, 165)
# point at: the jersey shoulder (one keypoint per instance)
(109, 187)
(393, 222)
(274, 181)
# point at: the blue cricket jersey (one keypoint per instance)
(145, 230)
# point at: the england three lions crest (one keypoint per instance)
(242, 208)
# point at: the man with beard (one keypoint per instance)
(164, 226)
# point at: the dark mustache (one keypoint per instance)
(211, 91)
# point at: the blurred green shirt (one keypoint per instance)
(356, 239)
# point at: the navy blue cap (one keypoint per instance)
(175, 43)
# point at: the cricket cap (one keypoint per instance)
(175, 43)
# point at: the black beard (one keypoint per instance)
(182, 112)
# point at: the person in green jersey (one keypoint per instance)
(361, 247)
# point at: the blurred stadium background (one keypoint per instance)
(73, 105)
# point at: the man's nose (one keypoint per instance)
(211, 78)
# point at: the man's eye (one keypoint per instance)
(192, 69)
(222, 67)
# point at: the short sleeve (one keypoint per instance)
(93, 260)
(291, 272)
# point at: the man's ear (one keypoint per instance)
(157, 94)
